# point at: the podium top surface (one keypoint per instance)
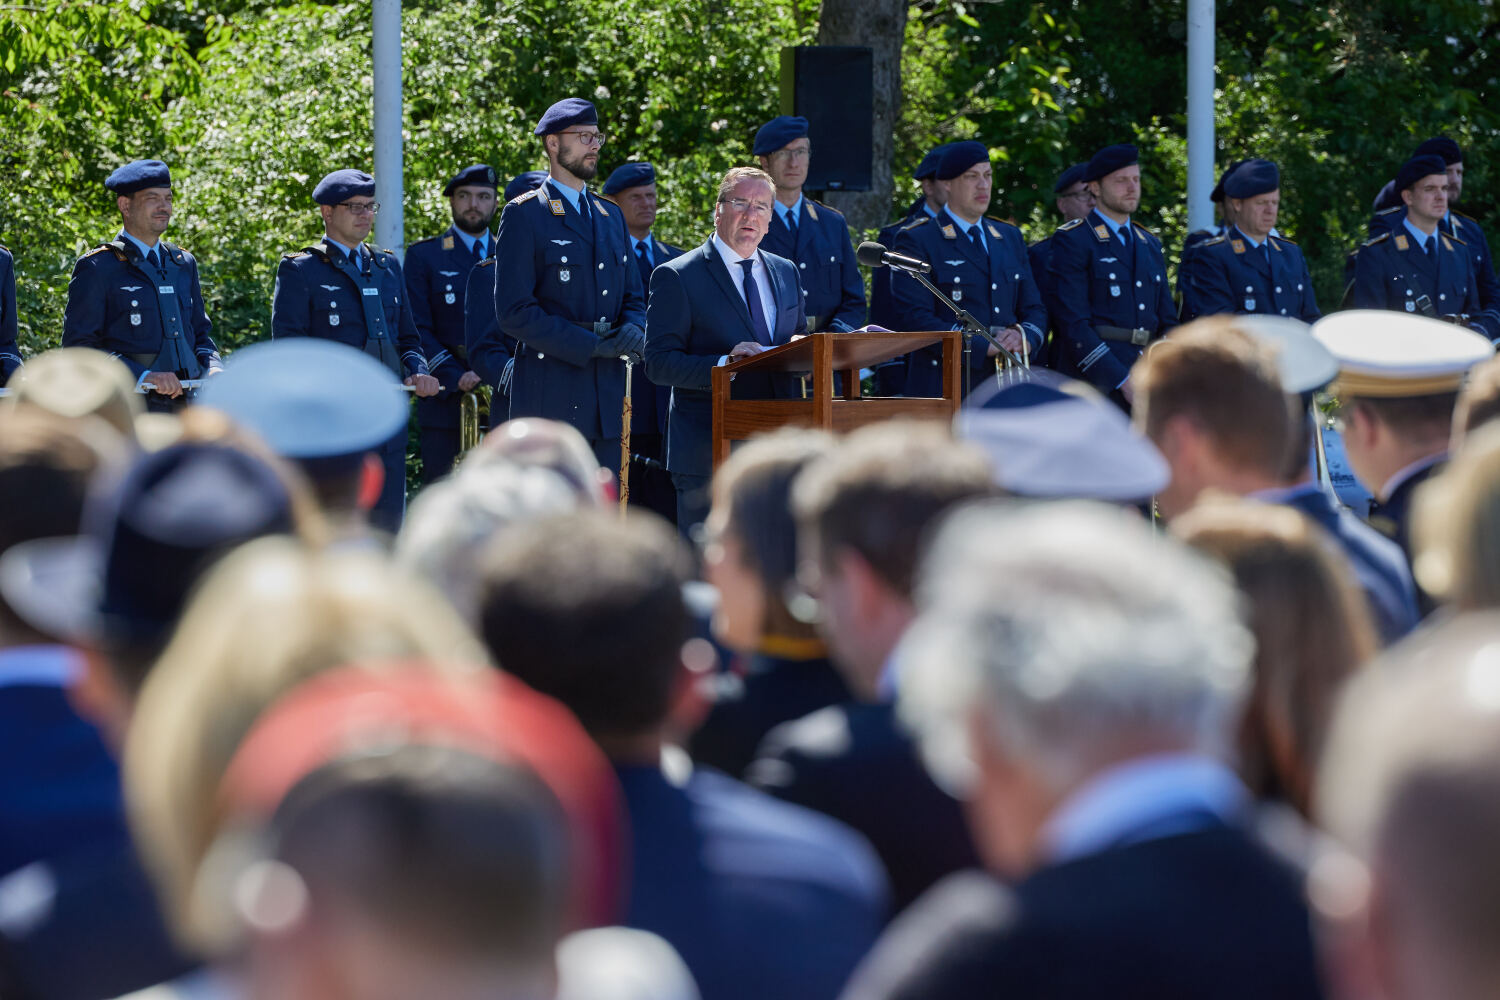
(857, 349)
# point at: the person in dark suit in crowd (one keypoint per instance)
(779, 668)
(437, 282)
(1110, 279)
(138, 297)
(1398, 384)
(725, 300)
(1074, 200)
(1403, 789)
(339, 289)
(632, 186)
(980, 262)
(491, 353)
(809, 233)
(567, 289)
(1079, 677)
(862, 517)
(1230, 419)
(760, 898)
(10, 352)
(1249, 269)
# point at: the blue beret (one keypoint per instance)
(309, 399)
(341, 185)
(1387, 197)
(629, 175)
(1217, 194)
(1441, 146)
(1251, 178)
(777, 132)
(1053, 438)
(1109, 159)
(960, 156)
(132, 177)
(521, 183)
(928, 167)
(565, 114)
(1069, 177)
(478, 175)
(1418, 167)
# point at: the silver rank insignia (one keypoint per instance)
(448, 298)
(1249, 305)
(566, 274)
(1114, 290)
(135, 319)
(333, 319)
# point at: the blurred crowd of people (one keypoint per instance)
(931, 712)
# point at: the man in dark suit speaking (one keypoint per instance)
(718, 303)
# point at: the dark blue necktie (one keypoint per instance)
(643, 264)
(752, 301)
(478, 250)
(583, 207)
(1429, 245)
(976, 238)
(791, 225)
(151, 255)
(1125, 235)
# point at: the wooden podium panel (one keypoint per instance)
(818, 356)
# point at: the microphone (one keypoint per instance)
(875, 255)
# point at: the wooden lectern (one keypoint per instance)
(822, 354)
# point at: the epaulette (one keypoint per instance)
(1212, 241)
(1070, 224)
(535, 192)
(318, 252)
(826, 208)
(119, 254)
(1455, 239)
(918, 222)
(1378, 239)
(418, 243)
(1388, 211)
(383, 261)
(295, 255)
(1464, 218)
(1142, 230)
(1281, 239)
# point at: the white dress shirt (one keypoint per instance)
(759, 272)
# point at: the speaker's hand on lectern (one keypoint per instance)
(745, 349)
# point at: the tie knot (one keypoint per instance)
(746, 265)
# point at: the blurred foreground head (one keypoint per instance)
(1057, 642)
(1410, 784)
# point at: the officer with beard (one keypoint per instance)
(568, 290)
(437, 279)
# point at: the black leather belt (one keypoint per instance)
(1138, 337)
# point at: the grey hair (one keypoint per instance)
(1068, 626)
(452, 520)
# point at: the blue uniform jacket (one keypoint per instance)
(1227, 274)
(761, 898)
(555, 278)
(316, 298)
(10, 353)
(113, 305)
(651, 403)
(1099, 283)
(696, 316)
(832, 289)
(488, 348)
(882, 300)
(1465, 228)
(1392, 272)
(437, 280)
(994, 284)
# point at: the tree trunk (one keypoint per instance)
(880, 24)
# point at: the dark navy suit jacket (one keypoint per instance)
(760, 898)
(437, 282)
(1098, 282)
(10, 353)
(832, 288)
(853, 762)
(1379, 564)
(1226, 274)
(1204, 914)
(696, 315)
(557, 276)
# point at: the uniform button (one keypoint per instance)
(605, 292)
(331, 305)
(1141, 306)
(1299, 288)
(997, 309)
(447, 288)
(133, 302)
(956, 280)
(603, 320)
(1111, 276)
(803, 266)
(565, 260)
(1278, 289)
(1283, 312)
(1138, 284)
(601, 265)
(804, 293)
(832, 259)
(993, 286)
(1249, 289)
(540, 355)
(1441, 297)
(1158, 279)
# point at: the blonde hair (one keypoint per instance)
(1456, 527)
(1312, 630)
(270, 616)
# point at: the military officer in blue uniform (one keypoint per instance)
(437, 280)
(1416, 267)
(980, 262)
(567, 289)
(10, 353)
(340, 289)
(137, 297)
(1074, 200)
(491, 353)
(1249, 269)
(809, 233)
(632, 186)
(1112, 297)
(1453, 223)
